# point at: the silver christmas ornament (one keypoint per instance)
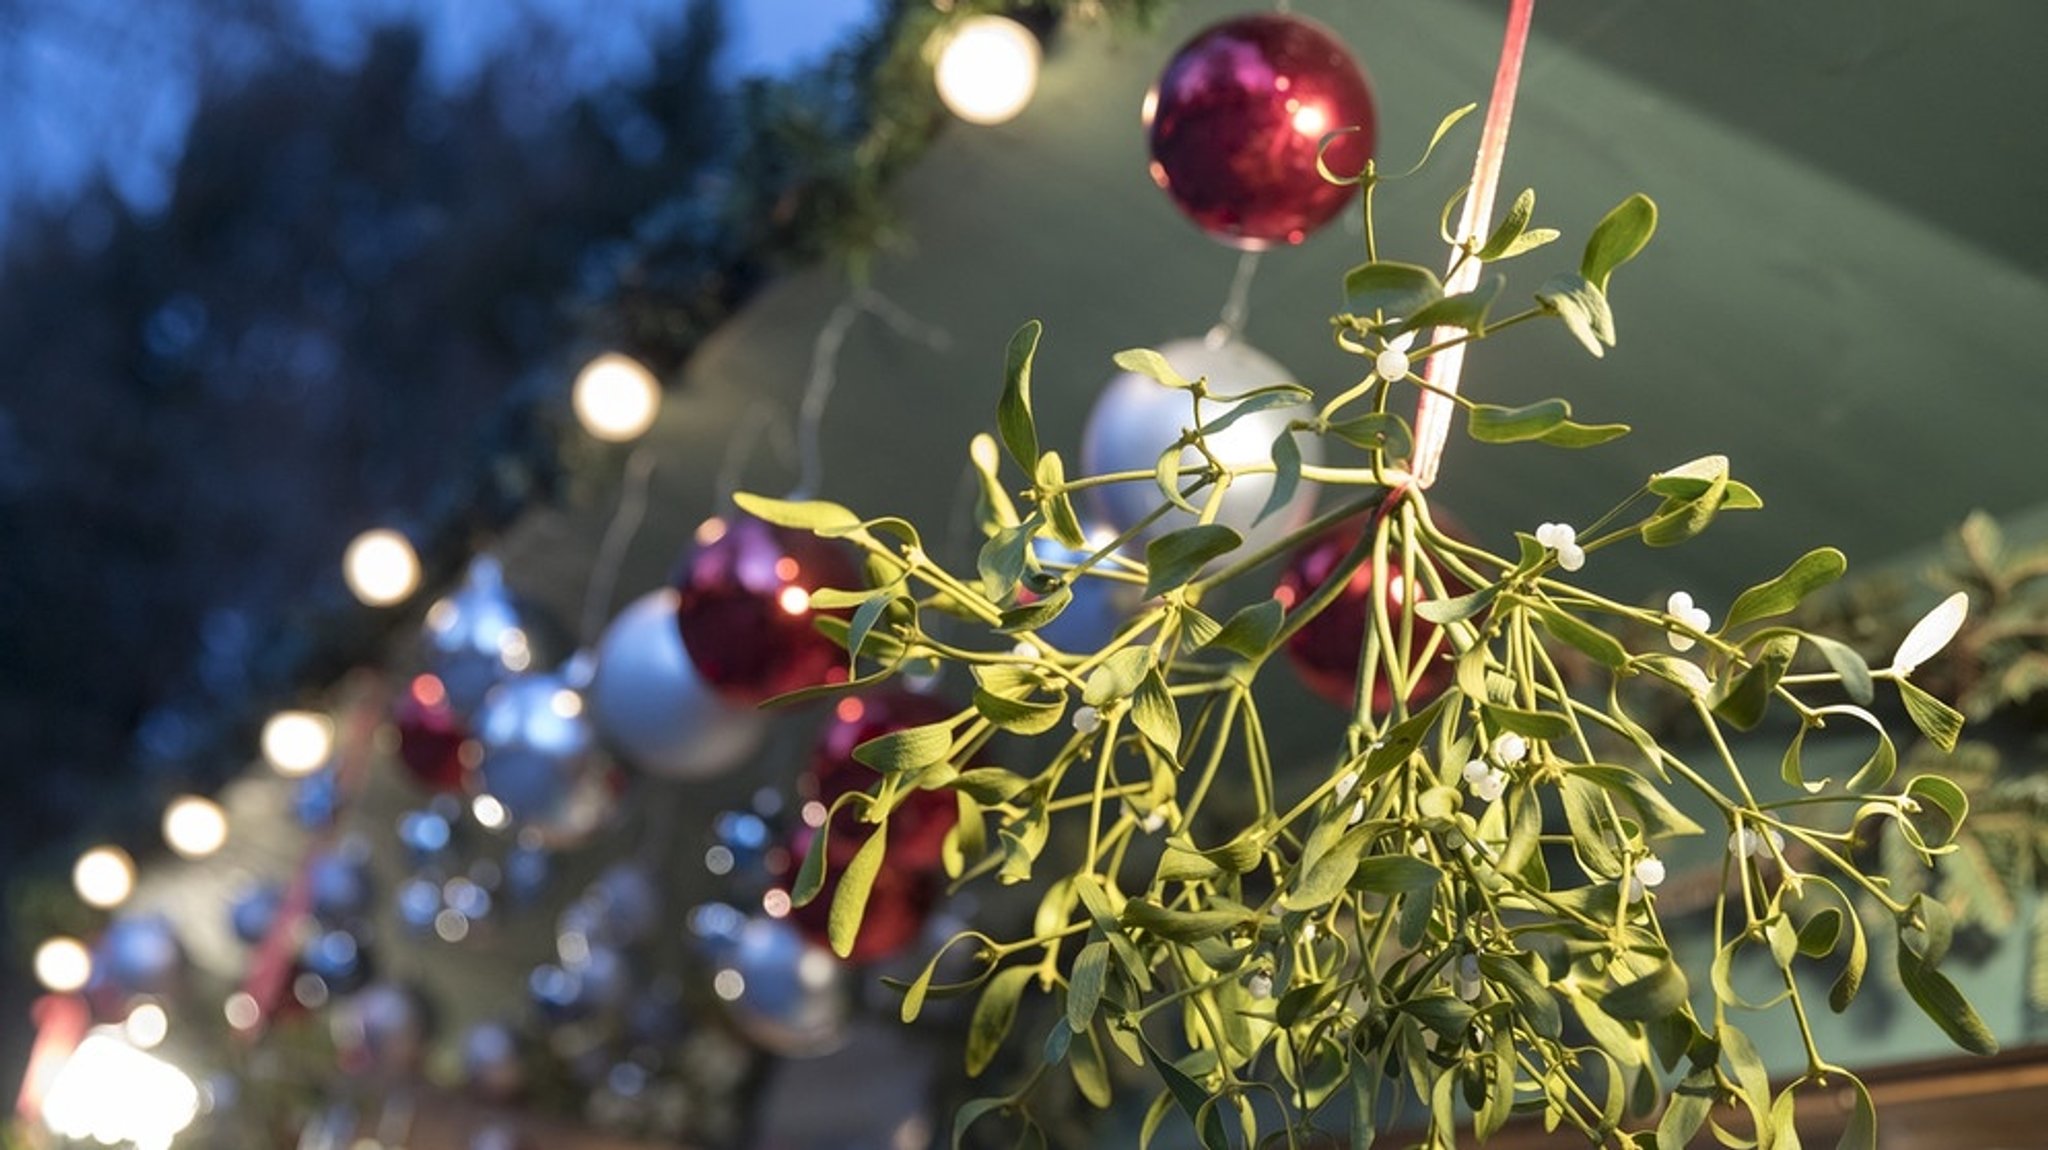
(651, 706)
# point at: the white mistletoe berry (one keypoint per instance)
(1509, 748)
(1392, 364)
(1680, 607)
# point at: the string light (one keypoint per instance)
(104, 877)
(195, 827)
(112, 1093)
(146, 1026)
(616, 398)
(381, 567)
(988, 69)
(297, 742)
(63, 964)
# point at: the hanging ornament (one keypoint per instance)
(653, 708)
(490, 1061)
(1136, 419)
(540, 758)
(1237, 117)
(138, 954)
(254, 909)
(479, 636)
(788, 995)
(337, 958)
(338, 879)
(433, 742)
(744, 607)
(1100, 606)
(1325, 651)
(381, 1029)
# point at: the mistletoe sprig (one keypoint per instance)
(1459, 905)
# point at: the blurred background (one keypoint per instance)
(276, 272)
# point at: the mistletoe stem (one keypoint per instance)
(1433, 410)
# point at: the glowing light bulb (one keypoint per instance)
(63, 964)
(104, 877)
(616, 398)
(111, 1092)
(195, 827)
(381, 567)
(988, 69)
(297, 742)
(146, 1026)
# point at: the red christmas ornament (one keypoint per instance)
(433, 741)
(908, 885)
(744, 607)
(1237, 117)
(1325, 651)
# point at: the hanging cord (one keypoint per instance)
(810, 416)
(1237, 306)
(618, 537)
(1433, 410)
(761, 417)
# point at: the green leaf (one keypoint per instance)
(1152, 365)
(1286, 475)
(1059, 508)
(1117, 678)
(1946, 797)
(1575, 435)
(1465, 310)
(990, 784)
(1848, 663)
(1038, 613)
(1457, 608)
(1530, 995)
(1939, 999)
(1941, 723)
(1153, 710)
(1807, 574)
(1397, 874)
(1595, 839)
(1192, 1098)
(1013, 410)
(1381, 431)
(973, 1112)
(1677, 520)
(1321, 877)
(1253, 402)
(1089, 1071)
(1489, 423)
(907, 749)
(850, 902)
(1744, 701)
(1617, 238)
(1001, 561)
(1174, 558)
(1020, 716)
(1511, 226)
(1443, 128)
(1391, 289)
(1691, 479)
(1084, 984)
(1659, 816)
(1583, 308)
(1752, 1080)
(993, 1016)
(1656, 994)
(807, 515)
(1251, 630)
(1534, 724)
(1850, 980)
(1859, 1132)
(1400, 742)
(1686, 1111)
(1603, 648)
(1182, 925)
(864, 619)
(810, 874)
(1166, 477)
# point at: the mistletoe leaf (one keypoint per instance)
(1084, 984)
(803, 515)
(1192, 1098)
(1465, 310)
(1807, 574)
(1153, 366)
(850, 901)
(1381, 431)
(1020, 716)
(907, 749)
(1848, 663)
(1013, 411)
(1662, 991)
(993, 1016)
(1583, 308)
(1286, 475)
(1603, 648)
(1618, 238)
(1941, 723)
(1174, 558)
(1117, 678)
(1153, 710)
(1390, 288)
(1511, 226)
(1250, 631)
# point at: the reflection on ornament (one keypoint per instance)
(616, 398)
(988, 69)
(1236, 119)
(479, 636)
(433, 742)
(653, 708)
(786, 994)
(1136, 419)
(744, 607)
(1325, 651)
(381, 567)
(540, 758)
